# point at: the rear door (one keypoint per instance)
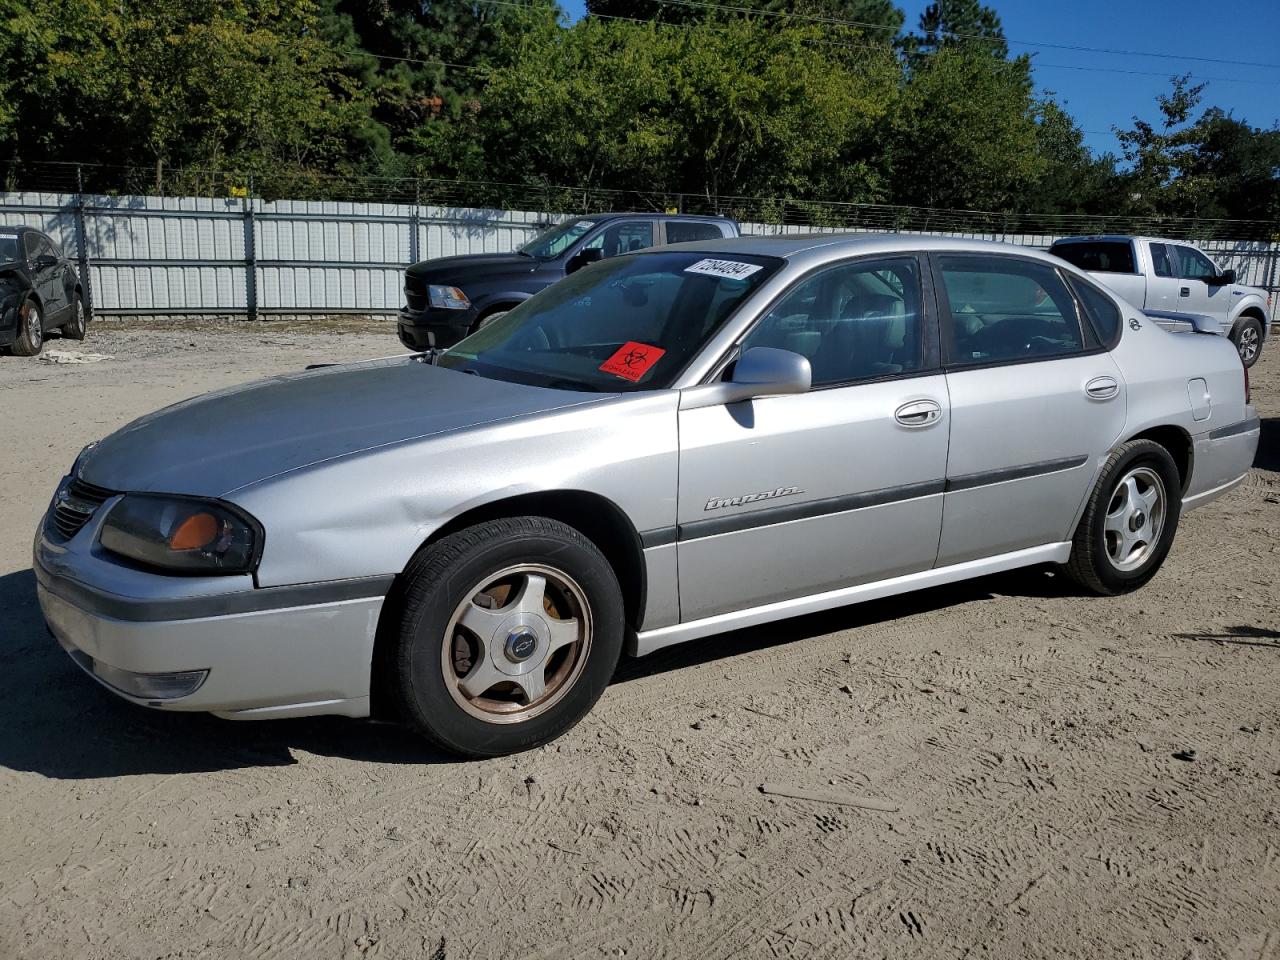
(1164, 289)
(47, 277)
(1036, 404)
(789, 496)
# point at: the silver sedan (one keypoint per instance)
(661, 447)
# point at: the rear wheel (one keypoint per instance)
(1248, 340)
(1129, 521)
(30, 330)
(509, 632)
(75, 328)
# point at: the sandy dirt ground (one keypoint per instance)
(1028, 736)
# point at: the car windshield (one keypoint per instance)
(553, 242)
(625, 324)
(9, 248)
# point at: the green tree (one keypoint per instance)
(881, 19)
(950, 23)
(966, 134)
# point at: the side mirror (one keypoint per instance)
(759, 372)
(1227, 276)
(582, 258)
(44, 261)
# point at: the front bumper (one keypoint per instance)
(216, 654)
(422, 329)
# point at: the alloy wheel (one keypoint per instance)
(1135, 518)
(517, 643)
(1248, 345)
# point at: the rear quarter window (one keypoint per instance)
(679, 231)
(1097, 256)
(1100, 310)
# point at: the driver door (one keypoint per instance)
(784, 497)
(48, 278)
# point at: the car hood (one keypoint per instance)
(456, 271)
(217, 443)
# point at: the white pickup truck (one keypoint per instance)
(1172, 281)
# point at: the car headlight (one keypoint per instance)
(182, 535)
(447, 298)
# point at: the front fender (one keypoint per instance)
(1253, 303)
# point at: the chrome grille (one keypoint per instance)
(75, 505)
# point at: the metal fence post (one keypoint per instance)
(413, 222)
(250, 256)
(82, 245)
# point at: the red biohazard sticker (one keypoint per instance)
(632, 361)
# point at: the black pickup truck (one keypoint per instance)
(454, 296)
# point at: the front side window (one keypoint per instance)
(1194, 265)
(626, 324)
(686, 231)
(1004, 309)
(1160, 260)
(857, 321)
(553, 242)
(625, 237)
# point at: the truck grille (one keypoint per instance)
(75, 506)
(415, 293)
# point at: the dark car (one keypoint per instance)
(454, 296)
(39, 291)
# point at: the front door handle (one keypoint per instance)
(1184, 292)
(918, 413)
(1102, 388)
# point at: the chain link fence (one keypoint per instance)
(196, 241)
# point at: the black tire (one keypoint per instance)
(1094, 564)
(443, 579)
(1247, 337)
(78, 325)
(488, 318)
(30, 330)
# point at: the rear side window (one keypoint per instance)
(683, 231)
(1004, 309)
(1160, 260)
(1097, 256)
(1099, 308)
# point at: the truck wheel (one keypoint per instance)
(30, 330)
(75, 328)
(488, 318)
(1129, 521)
(508, 633)
(1248, 340)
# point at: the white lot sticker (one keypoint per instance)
(730, 269)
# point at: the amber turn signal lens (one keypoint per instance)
(198, 530)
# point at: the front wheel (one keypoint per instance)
(1248, 340)
(30, 330)
(509, 631)
(1129, 521)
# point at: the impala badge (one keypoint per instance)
(715, 503)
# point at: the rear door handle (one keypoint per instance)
(918, 413)
(1102, 388)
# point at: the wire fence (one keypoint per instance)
(275, 184)
(192, 243)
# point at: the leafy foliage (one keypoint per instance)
(800, 100)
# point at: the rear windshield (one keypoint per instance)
(1099, 256)
(9, 249)
(629, 323)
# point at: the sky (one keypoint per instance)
(1102, 90)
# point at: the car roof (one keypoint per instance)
(831, 246)
(651, 214)
(1121, 238)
